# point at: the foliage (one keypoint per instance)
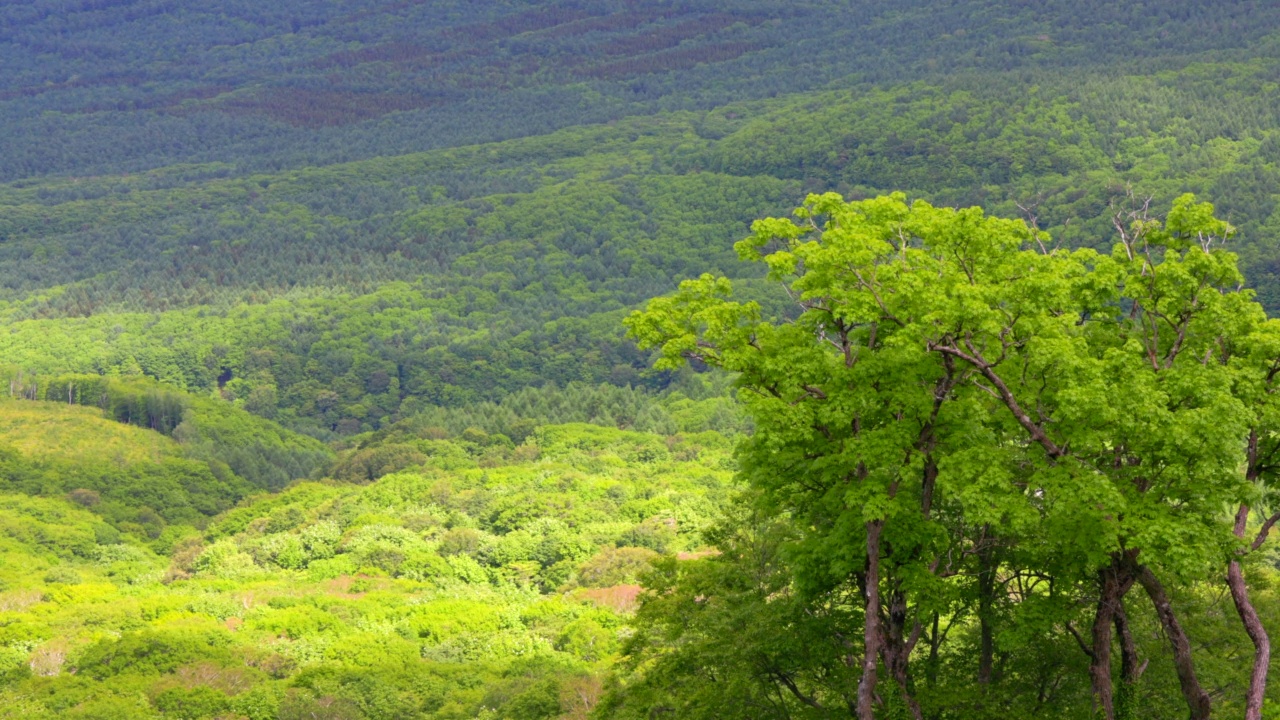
(340, 298)
(320, 400)
(230, 439)
(965, 426)
(461, 583)
(138, 86)
(140, 482)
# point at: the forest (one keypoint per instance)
(569, 359)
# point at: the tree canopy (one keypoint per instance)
(965, 424)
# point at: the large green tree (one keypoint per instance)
(966, 423)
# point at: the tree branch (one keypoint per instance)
(791, 685)
(1264, 531)
(1006, 395)
(1080, 641)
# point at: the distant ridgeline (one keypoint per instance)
(140, 402)
(331, 254)
(130, 85)
(256, 450)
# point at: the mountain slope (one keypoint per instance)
(337, 299)
(137, 84)
(483, 578)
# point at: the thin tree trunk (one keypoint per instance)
(1114, 582)
(928, 482)
(1197, 699)
(931, 674)
(1252, 626)
(1130, 671)
(871, 624)
(986, 598)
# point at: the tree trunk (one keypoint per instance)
(1197, 699)
(1130, 671)
(871, 624)
(1100, 666)
(1258, 634)
(928, 483)
(1252, 626)
(931, 673)
(896, 646)
(1114, 583)
(986, 598)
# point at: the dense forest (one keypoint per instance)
(380, 359)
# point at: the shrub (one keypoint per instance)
(200, 701)
(462, 541)
(331, 568)
(84, 497)
(587, 640)
(656, 534)
(301, 707)
(152, 652)
(539, 702)
(366, 466)
(615, 566)
(63, 575)
(225, 560)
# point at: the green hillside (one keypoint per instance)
(78, 434)
(139, 84)
(571, 359)
(483, 575)
(153, 462)
(339, 298)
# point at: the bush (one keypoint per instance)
(84, 497)
(331, 568)
(198, 702)
(421, 565)
(539, 702)
(302, 707)
(225, 560)
(615, 566)
(587, 640)
(656, 534)
(63, 575)
(367, 465)
(462, 541)
(152, 652)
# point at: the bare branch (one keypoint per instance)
(1264, 531)
(791, 685)
(1005, 394)
(1080, 641)
(1029, 214)
(884, 309)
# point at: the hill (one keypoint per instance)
(153, 462)
(482, 577)
(345, 246)
(137, 84)
(45, 431)
(139, 481)
(320, 403)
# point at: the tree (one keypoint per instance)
(952, 400)
(1255, 358)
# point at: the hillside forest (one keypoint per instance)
(572, 359)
